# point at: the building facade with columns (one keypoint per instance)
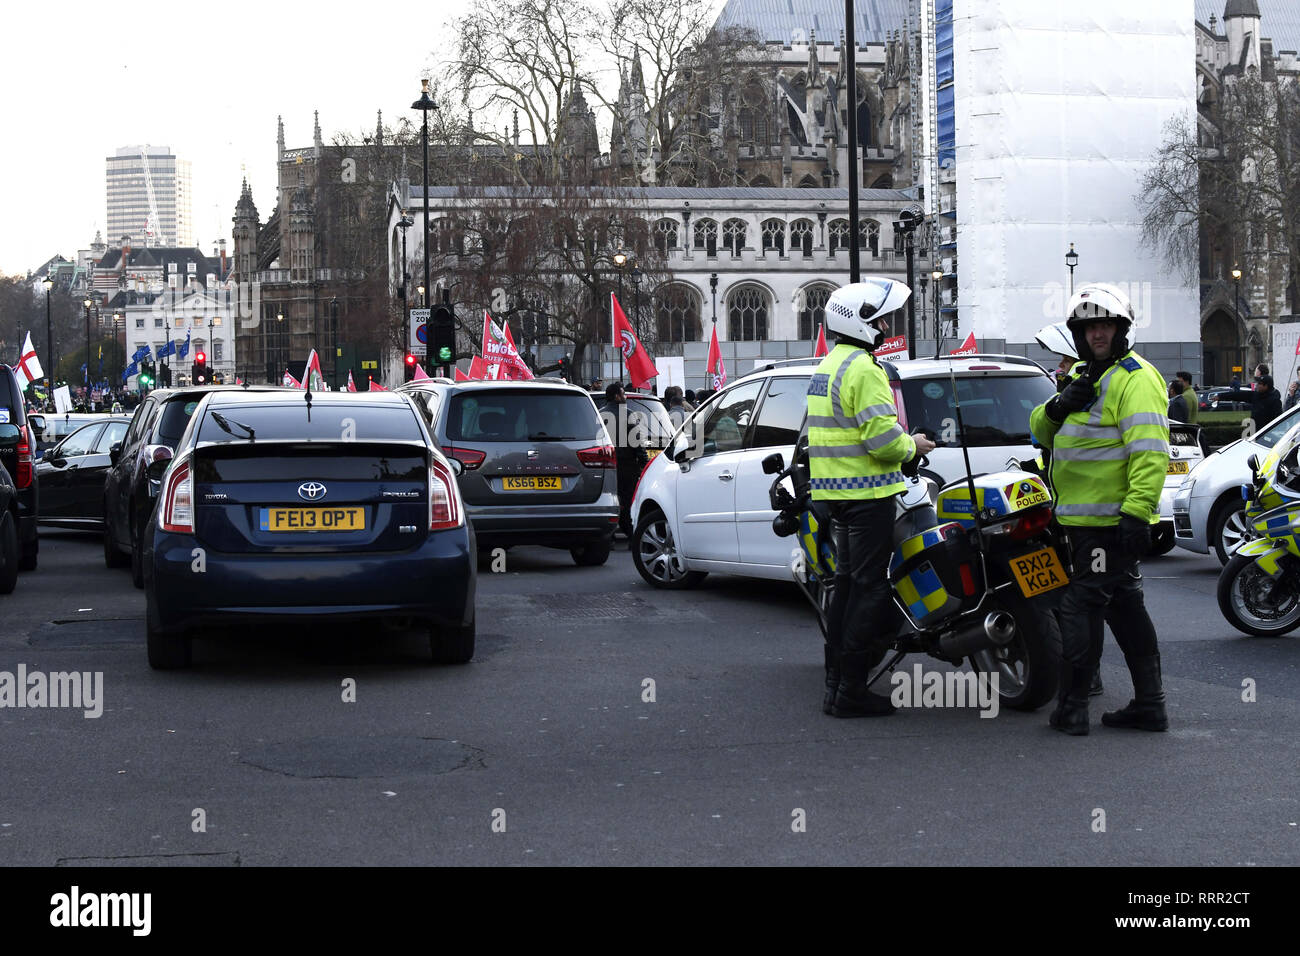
(757, 263)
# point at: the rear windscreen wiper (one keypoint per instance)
(226, 425)
(546, 436)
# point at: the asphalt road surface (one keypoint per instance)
(546, 749)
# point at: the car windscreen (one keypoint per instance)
(1271, 436)
(521, 415)
(175, 416)
(326, 422)
(994, 408)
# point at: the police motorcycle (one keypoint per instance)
(967, 581)
(1259, 587)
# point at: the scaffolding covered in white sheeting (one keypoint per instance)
(1059, 110)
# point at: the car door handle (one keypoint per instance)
(726, 476)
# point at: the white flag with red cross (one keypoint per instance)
(29, 366)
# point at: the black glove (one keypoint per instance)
(1077, 396)
(1134, 536)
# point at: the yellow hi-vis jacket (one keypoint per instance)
(1110, 459)
(855, 443)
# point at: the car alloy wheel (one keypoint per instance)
(656, 556)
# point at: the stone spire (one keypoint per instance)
(316, 140)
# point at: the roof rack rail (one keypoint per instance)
(782, 363)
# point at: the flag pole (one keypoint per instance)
(613, 332)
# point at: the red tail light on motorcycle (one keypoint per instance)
(601, 456)
(1031, 524)
(967, 580)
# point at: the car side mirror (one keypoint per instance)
(38, 425)
(157, 458)
(773, 464)
(456, 467)
(115, 452)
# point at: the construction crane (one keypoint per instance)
(153, 224)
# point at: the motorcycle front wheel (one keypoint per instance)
(1255, 603)
(1028, 668)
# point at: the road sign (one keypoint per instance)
(418, 340)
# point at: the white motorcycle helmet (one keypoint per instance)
(854, 311)
(1058, 340)
(1100, 301)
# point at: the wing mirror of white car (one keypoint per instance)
(773, 464)
(456, 467)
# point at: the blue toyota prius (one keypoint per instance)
(298, 507)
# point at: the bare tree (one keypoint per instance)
(688, 69)
(1236, 191)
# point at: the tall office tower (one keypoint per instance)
(148, 192)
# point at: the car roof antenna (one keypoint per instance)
(307, 395)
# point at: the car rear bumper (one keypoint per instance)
(558, 527)
(434, 582)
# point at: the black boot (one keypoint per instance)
(832, 678)
(853, 698)
(1096, 690)
(1146, 711)
(1071, 714)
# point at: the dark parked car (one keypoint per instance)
(51, 429)
(647, 409)
(8, 521)
(538, 465)
(340, 509)
(17, 457)
(1229, 400)
(72, 473)
(137, 466)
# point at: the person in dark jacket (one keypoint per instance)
(624, 427)
(1266, 403)
(1177, 404)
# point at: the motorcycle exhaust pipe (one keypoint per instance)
(997, 630)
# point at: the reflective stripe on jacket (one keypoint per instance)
(855, 443)
(1110, 459)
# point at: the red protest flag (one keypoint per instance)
(478, 368)
(460, 376)
(352, 386)
(376, 387)
(716, 369)
(312, 376)
(968, 347)
(420, 373)
(892, 347)
(640, 370)
(290, 381)
(821, 348)
(499, 351)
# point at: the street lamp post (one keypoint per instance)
(1236, 296)
(424, 104)
(713, 288)
(405, 223)
(116, 316)
(1072, 260)
(334, 338)
(279, 344)
(49, 341)
(85, 381)
(936, 275)
(636, 284)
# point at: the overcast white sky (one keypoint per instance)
(84, 78)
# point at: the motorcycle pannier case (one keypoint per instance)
(936, 574)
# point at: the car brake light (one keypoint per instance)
(469, 458)
(444, 511)
(898, 404)
(177, 511)
(24, 477)
(1032, 523)
(601, 456)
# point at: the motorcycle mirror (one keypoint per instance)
(1253, 463)
(773, 464)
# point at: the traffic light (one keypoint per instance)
(442, 339)
(564, 368)
(146, 379)
(409, 369)
(199, 373)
